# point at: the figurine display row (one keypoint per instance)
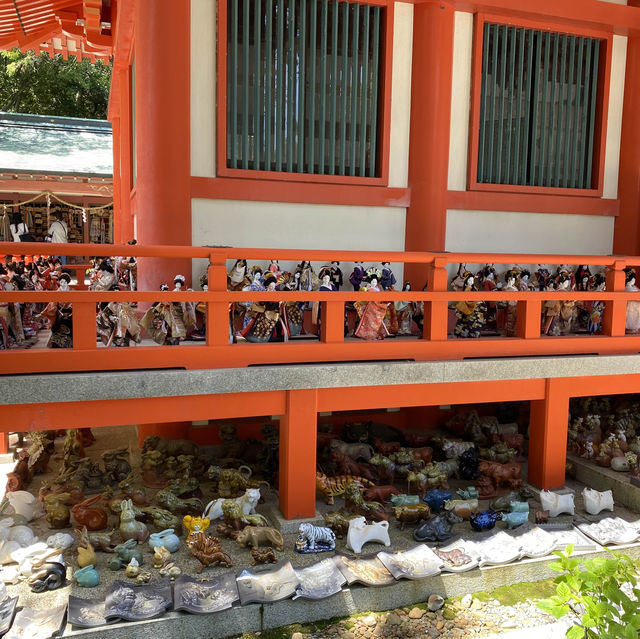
(607, 431)
(559, 317)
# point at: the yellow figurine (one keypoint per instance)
(195, 524)
(86, 556)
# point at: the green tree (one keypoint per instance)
(42, 85)
(593, 591)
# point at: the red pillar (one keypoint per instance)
(548, 436)
(298, 430)
(124, 147)
(162, 85)
(433, 26)
(626, 234)
(169, 430)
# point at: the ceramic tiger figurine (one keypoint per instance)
(330, 487)
(311, 535)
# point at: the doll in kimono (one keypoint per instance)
(470, 315)
(371, 314)
(632, 323)
(265, 318)
(335, 274)
(357, 276)
(387, 278)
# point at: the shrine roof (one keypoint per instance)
(55, 145)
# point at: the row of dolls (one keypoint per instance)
(559, 317)
(564, 278)
(304, 277)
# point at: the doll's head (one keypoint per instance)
(629, 275)
(326, 279)
(63, 281)
(256, 274)
(406, 286)
(164, 287)
(105, 266)
(240, 263)
(599, 282)
(304, 264)
(335, 263)
(386, 263)
(270, 282)
(469, 282)
(178, 281)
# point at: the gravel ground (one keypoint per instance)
(467, 617)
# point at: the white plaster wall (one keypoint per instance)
(203, 88)
(401, 94)
(614, 117)
(460, 101)
(505, 232)
(616, 1)
(297, 226)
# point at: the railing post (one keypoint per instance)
(615, 311)
(217, 321)
(84, 325)
(436, 313)
(332, 322)
(528, 319)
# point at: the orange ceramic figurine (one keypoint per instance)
(93, 518)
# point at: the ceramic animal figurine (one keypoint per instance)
(51, 576)
(133, 491)
(247, 503)
(453, 448)
(129, 527)
(470, 492)
(509, 475)
(595, 502)
(346, 466)
(22, 535)
(437, 529)
(463, 507)
(338, 523)
(169, 499)
(485, 520)
(207, 550)
(542, 516)
(160, 556)
(503, 503)
(195, 524)
(87, 577)
(330, 487)
(380, 493)
(255, 536)
(357, 450)
(100, 541)
(23, 503)
(124, 553)
(116, 464)
(411, 514)
(516, 518)
(260, 556)
(165, 538)
(436, 498)
(360, 533)
(58, 513)
(60, 540)
(132, 569)
(404, 500)
(315, 539)
(170, 570)
(519, 506)
(93, 518)
(86, 556)
(557, 504)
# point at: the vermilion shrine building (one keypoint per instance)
(324, 129)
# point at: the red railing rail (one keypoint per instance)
(216, 352)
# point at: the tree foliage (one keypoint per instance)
(42, 85)
(595, 594)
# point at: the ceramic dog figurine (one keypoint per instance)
(557, 504)
(595, 502)
(360, 533)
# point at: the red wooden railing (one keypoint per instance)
(331, 346)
